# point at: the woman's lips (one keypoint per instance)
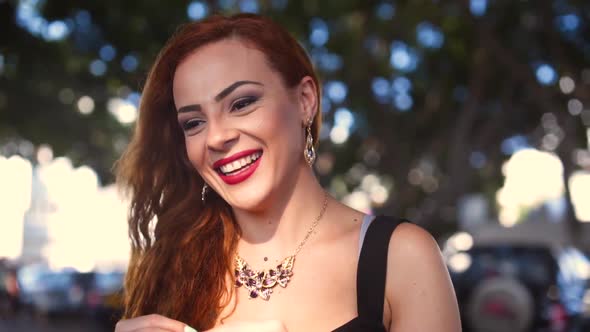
(242, 174)
(233, 157)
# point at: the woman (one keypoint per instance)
(230, 228)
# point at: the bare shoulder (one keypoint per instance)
(409, 242)
(419, 291)
(413, 250)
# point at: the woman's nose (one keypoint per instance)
(220, 136)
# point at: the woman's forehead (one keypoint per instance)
(217, 65)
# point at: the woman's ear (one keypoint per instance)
(308, 99)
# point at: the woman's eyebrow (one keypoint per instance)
(218, 97)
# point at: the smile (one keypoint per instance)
(238, 167)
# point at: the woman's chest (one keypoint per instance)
(320, 295)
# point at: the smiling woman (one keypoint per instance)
(230, 229)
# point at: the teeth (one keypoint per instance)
(237, 164)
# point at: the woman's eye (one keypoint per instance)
(241, 103)
(191, 124)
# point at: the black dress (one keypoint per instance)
(371, 274)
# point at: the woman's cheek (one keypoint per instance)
(196, 152)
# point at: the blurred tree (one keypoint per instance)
(431, 96)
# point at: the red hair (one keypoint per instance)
(182, 250)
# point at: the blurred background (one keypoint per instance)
(469, 117)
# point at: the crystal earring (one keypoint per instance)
(204, 191)
(309, 151)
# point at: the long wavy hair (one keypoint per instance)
(182, 250)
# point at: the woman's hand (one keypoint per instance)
(152, 323)
(252, 326)
(158, 323)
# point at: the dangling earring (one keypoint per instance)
(204, 191)
(309, 151)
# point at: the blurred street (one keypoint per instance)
(23, 322)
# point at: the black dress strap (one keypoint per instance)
(372, 271)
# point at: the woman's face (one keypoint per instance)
(243, 127)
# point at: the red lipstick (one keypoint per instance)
(233, 157)
(243, 173)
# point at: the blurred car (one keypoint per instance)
(105, 298)
(9, 290)
(585, 321)
(520, 288)
(47, 292)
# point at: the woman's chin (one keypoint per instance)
(250, 203)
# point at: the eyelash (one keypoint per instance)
(242, 102)
(247, 100)
(191, 124)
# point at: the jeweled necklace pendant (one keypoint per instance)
(261, 283)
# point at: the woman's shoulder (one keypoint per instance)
(415, 264)
(419, 291)
(410, 242)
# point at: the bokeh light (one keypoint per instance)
(568, 22)
(532, 178)
(403, 102)
(401, 84)
(429, 36)
(336, 91)
(575, 106)
(124, 111)
(107, 52)
(403, 57)
(579, 184)
(197, 10)
(477, 159)
(339, 134)
(56, 30)
(546, 74)
(459, 262)
(129, 62)
(344, 117)
(98, 67)
(567, 85)
(478, 7)
(381, 89)
(385, 10)
(319, 33)
(514, 143)
(16, 179)
(249, 6)
(85, 105)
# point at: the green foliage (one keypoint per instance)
(468, 95)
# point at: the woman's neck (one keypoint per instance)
(277, 230)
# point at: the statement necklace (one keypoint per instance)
(260, 284)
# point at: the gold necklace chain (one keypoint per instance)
(261, 283)
(314, 225)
